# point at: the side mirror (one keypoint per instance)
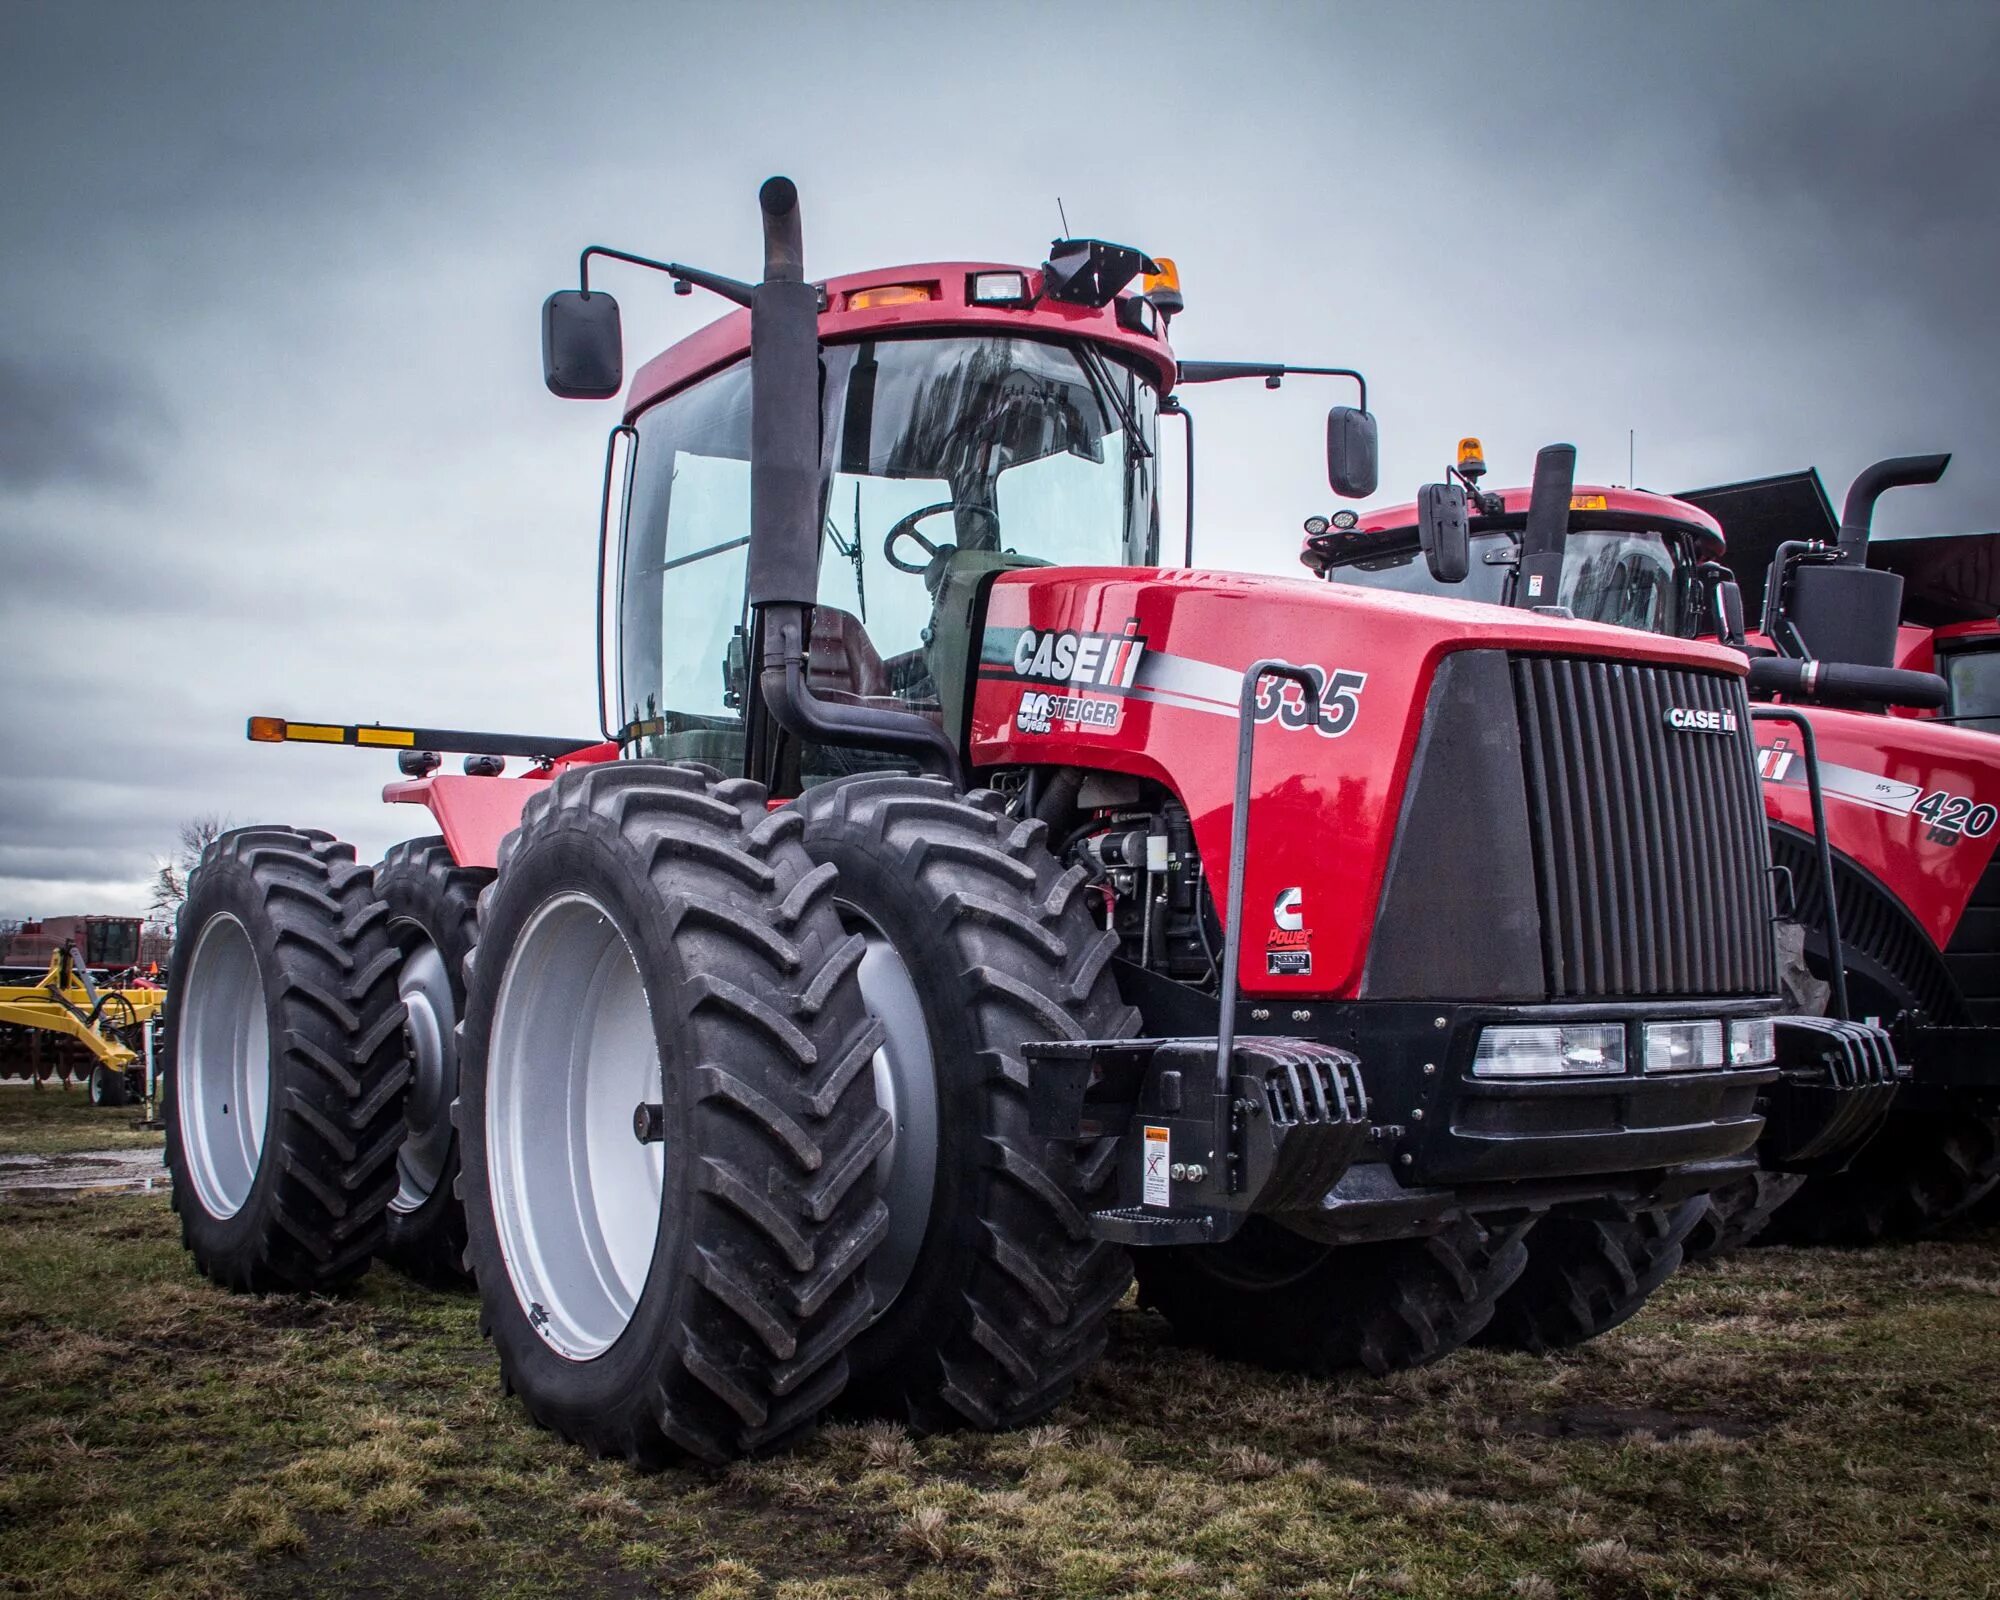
(1352, 467)
(1725, 602)
(583, 346)
(1444, 532)
(1729, 612)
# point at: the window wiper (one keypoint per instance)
(1108, 396)
(851, 552)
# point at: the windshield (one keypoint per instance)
(943, 458)
(1972, 678)
(1632, 579)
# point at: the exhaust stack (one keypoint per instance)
(1858, 514)
(1539, 580)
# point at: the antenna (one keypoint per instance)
(1064, 215)
(1631, 458)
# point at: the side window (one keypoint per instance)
(683, 563)
(701, 577)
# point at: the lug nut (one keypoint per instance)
(649, 1122)
(1196, 1172)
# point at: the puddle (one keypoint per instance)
(92, 1171)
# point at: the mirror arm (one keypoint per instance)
(714, 282)
(1270, 371)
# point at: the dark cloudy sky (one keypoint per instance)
(272, 431)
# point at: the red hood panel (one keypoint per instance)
(1140, 672)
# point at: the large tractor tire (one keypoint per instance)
(993, 1297)
(433, 914)
(1925, 1171)
(283, 1089)
(1277, 1299)
(1737, 1214)
(1586, 1275)
(666, 1117)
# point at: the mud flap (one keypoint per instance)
(1193, 1162)
(1837, 1081)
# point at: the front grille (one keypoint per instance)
(1651, 862)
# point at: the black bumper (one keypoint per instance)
(1420, 1135)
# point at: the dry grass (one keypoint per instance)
(1787, 1425)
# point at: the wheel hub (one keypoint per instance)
(905, 1087)
(430, 1030)
(223, 1067)
(576, 1198)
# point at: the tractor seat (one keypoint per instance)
(841, 661)
(842, 665)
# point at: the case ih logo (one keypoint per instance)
(1111, 659)
(1686, 719)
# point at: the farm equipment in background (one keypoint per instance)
(69, 1024)
(104, 945)
(936, 927)
(1898, 922)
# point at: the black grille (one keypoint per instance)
(1651, 861)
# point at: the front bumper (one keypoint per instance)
(1837, 1082)
(1414, 1136)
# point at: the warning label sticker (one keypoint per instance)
(1158, 1189)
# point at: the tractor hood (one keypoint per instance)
(1141, 672)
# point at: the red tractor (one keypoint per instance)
(959, 905)
(1900, 922)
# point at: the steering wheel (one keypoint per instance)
(906, 528)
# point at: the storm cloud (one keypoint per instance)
(272, 435)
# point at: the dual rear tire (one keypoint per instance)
(284, 1066)
(782, 1048)
(433, 922)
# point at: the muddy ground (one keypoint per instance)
(1789, 1424)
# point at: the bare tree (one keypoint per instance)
(170, 883)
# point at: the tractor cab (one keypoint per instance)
(1629, 557)
(962, 436)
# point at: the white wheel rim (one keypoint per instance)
(224, 1066)
(576, 1196)
(905, 1087)
(432, 1021)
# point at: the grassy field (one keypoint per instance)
(1789, 1424)
(53, 1120)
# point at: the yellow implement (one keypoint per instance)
(105, 1021)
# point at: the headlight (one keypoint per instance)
(1587, 1048)
(1754, 1043)
(1683, 1046)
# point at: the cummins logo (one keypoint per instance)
(1686, 719)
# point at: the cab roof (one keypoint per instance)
(1618, 507)
(727, 339)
